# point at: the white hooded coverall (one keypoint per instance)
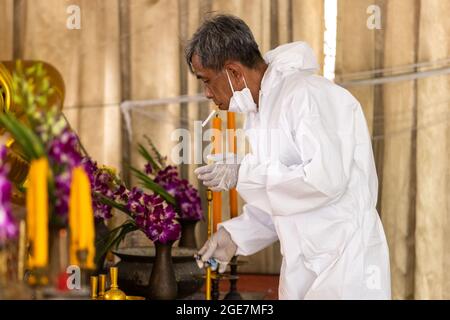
(310, 182)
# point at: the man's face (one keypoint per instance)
(216, 85)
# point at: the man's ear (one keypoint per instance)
(236, 72)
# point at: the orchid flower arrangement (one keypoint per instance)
(44, 132)
(185, 196)
(148, 211)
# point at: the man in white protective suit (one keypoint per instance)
(310, 179)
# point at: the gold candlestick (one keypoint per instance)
(101, 286)
(114, 293)
(94, 285)
(217, 195)
(208, 269)
(22, 250)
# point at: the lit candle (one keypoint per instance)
(37, 213)
(217, 148)
(231, 126)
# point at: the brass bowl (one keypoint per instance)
(136, 264)
(135, 298)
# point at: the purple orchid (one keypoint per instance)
(8, 225)
(104, 183)
(63, 149)
(154, 216)
(185, 194)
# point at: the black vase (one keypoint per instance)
(187, 239)
(101, 231)
(163, 284)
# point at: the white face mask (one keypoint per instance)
(241, 101)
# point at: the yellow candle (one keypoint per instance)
(73, 220)
(217, 148)
(37, 213)
(87, 234)
(81, 219)
(231, 126)
(31, 217)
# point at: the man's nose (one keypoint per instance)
(208, 93)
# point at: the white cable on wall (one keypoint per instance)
(395, 78)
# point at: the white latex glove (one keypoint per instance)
(222, 175)
(220, 247)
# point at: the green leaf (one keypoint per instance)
(144, 153)
(113, 238)
(25, 137)
(20, 188)
(111, 203)
(5, 123)
(33, 140)
(152, 185)
(45, 85)
(42, 101)
(159, 157)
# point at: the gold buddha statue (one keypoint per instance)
(18, 165)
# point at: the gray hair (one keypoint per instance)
(223, 38)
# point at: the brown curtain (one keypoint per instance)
(88, 60)
(409, 121)
(432, 233)
(6, 30)
(398, 158)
